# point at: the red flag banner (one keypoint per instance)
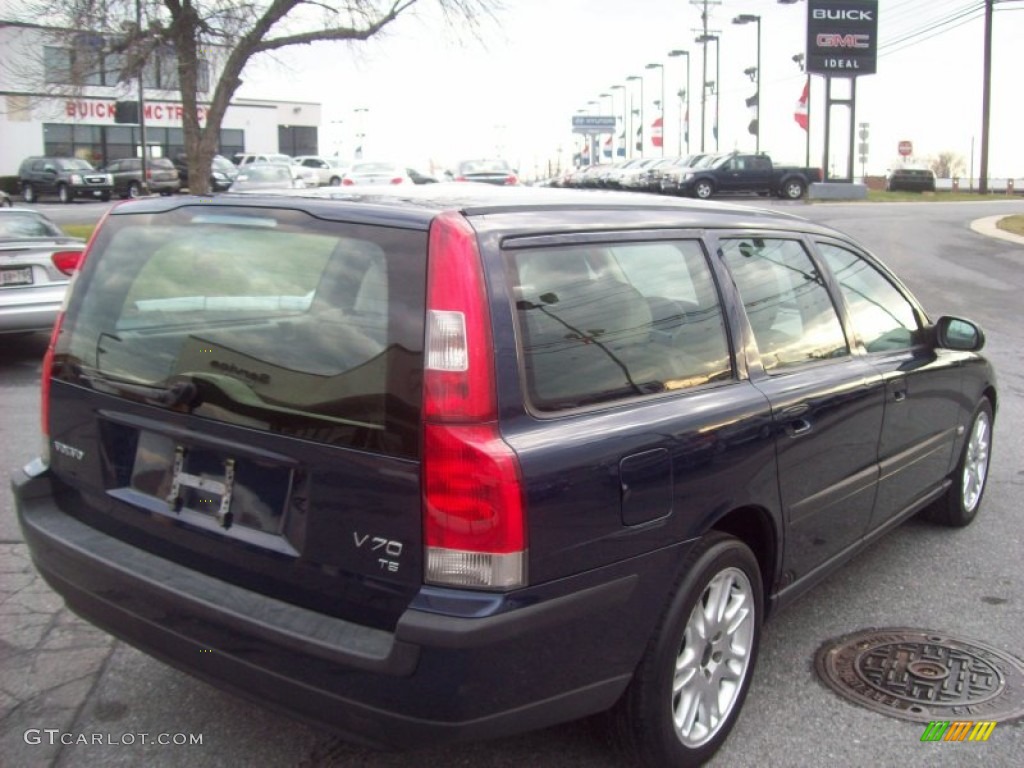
(801, 107)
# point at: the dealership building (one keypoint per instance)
(58, 92)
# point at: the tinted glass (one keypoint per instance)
(282, 322)
(789, 308)
(598, 323)
(881, 315)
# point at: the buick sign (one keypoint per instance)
(842, 37)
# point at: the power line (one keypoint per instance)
(932, 25)
(937, 29)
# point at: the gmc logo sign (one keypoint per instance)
(840, 14)
(827, 40)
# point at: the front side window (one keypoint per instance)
(599, 323)
(789, 308)
(881, 315)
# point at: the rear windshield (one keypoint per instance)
(270, 319)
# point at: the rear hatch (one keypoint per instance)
(238, 388)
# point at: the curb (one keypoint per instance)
(988, 228)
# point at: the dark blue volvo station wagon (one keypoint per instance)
(461, 461)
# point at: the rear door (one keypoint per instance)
(827, 403)
(238, 388)
(637, 430)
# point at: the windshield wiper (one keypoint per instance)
(180, 392)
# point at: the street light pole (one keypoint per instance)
(661, 70)
(611, 111)
(684, 94)
(746, 18)
(630, 139)
(615, 153)
(704, 40)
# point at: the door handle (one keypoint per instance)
(798, 427)
(899, 395)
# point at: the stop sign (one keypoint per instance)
(906, 148)
(657, 132)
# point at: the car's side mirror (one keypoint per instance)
(957, 333)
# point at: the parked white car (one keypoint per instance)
(329, 171)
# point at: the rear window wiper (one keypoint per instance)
(179, 392)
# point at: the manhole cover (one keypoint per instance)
(923, 676)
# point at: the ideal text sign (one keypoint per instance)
(842, 37)
(593, 124)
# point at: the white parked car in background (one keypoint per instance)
(329, 171)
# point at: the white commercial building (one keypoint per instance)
(58, 91)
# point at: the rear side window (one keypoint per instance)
(282, 322)
(599, 323)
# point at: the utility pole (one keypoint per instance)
(986, 100)
(704, 70)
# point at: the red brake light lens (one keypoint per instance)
(347, 182)
(459, 377)
(473, 513)
(67, 261)
(397, 180)
(511, 179)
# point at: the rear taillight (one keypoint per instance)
(397, 180)
(149, 174)
(511, 179)
(44, 389)
(44, 409)
(461, 178)
(347, 182)
(474, 521)
(67, 261)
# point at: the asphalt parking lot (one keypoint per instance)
(62, 680)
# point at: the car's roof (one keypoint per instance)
(416, 206)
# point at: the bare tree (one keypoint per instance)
(238, 30)
(947, 165)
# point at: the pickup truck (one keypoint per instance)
(748, 173)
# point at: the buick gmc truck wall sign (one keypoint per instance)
(842, 37)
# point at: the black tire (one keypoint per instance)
(678, 656)
(64, 194)
(959, 505)
(105, 197)
(793, 189)
(335, 181)
(703, 189)
(28, 193)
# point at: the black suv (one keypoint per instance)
(222, 172)
(65, 177)
(457, 461)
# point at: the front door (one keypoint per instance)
(922, 384)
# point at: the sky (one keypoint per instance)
(427, 94)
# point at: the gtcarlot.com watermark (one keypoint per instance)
(55, 736)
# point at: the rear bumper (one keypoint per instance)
(458, 666)
(31, 309)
